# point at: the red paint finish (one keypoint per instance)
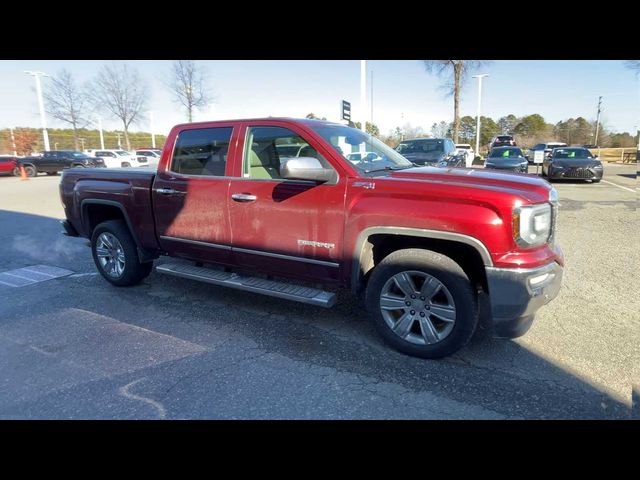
(315, 226)
(7, 164)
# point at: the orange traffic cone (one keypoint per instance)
(23, 173)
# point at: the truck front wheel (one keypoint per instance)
(422, 303)
(116, 256)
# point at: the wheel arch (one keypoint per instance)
(95, 211)
(375, 243)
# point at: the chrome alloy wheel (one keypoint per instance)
(417, 307)
(110, 255)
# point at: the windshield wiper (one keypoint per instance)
(389, 168)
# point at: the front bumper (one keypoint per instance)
(518, 169)
(516, 294)
(576, 173)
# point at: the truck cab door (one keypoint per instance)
(191, 195)
(281, 226)
(46, 162)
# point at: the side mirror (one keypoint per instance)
(595, 156)
(306, 168)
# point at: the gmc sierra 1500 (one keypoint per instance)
(236, 208)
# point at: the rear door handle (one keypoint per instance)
(167, 191)
(244, 197)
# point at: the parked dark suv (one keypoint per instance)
(426, 151)
(54, 161)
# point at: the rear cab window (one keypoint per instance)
(202, 152)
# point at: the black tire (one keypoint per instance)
(125, 165)
(134, 271)
(30, 170)
(446, 271)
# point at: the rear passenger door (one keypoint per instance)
(190, 196)
(47, 162)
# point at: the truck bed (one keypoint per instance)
(126, 188)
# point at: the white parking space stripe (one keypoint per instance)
(619, 186)
(21, 277)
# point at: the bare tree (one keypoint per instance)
(120, 91)
(67, 102)
(633, 65)
(188, 86)
(440, 130)
(456, 72)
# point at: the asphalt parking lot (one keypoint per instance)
(77, 347)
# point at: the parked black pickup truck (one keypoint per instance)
(52, 162)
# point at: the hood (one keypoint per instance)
(531, 188)
(506, 162)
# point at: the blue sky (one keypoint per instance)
(402, 91)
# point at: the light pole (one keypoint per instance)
(153, 135)
(101, 134)
(13, 142)
(37, 76)
(479, 77)
(598, 119)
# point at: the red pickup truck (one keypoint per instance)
(274, 206)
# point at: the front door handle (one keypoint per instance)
(244, 197)
(167, 191)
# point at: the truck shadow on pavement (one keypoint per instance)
(174, 348)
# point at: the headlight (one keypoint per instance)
(532, 225)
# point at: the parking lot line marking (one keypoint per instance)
(26, 269)
(18, 276)
(619, 186)
(22, 277)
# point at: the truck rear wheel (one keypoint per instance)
(422, 303)
(116, 256)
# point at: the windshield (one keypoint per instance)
(505, 153)
(122, 153)
(419, 146)
(78, 154)
(571, 153)
(374, 155)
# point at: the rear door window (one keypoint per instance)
(202, 152)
